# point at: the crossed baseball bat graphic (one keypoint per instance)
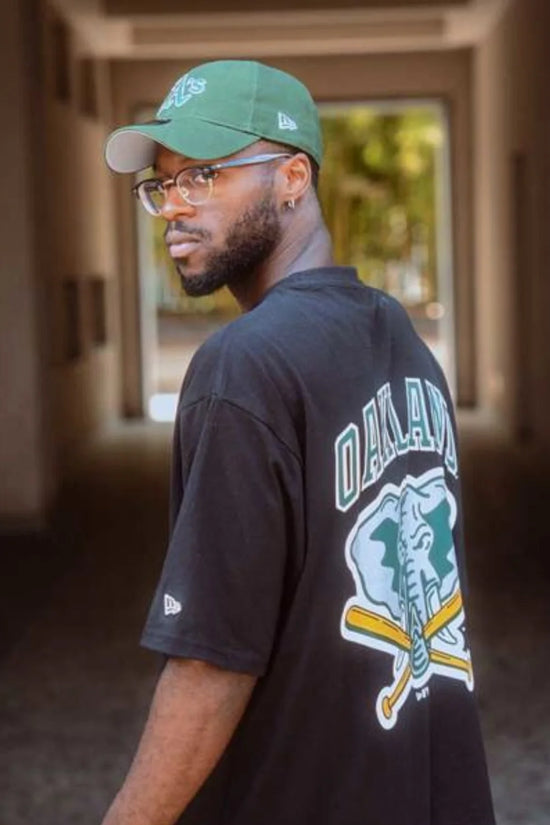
(365, 621)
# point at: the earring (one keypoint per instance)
(291, 204)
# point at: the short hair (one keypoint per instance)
(315, 169)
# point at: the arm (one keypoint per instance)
(195, 710)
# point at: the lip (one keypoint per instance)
(180, 244)
(183, 248)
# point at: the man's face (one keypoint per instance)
(226, 240)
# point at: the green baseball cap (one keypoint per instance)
(217, 109)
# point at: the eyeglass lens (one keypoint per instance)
(152, 196)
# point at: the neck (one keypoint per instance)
(305, 245)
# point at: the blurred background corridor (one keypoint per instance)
(436, 186)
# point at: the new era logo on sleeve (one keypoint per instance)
(286, 122)
(171, 605)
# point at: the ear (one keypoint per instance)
(293, 178)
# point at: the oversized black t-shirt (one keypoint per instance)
(317, 543)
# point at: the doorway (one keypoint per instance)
(385, 194)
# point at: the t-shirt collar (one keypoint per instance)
(320, 276)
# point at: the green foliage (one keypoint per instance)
(378, 194)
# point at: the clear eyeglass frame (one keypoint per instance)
(195, 184)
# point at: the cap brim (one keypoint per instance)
(133, 148)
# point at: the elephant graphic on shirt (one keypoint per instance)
(401, 552)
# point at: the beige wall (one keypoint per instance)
(442, 75)
(25, 477)
(512, 184)
(81, 245)
(58, 223)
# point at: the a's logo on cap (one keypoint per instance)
(182, 91)
(286, 122)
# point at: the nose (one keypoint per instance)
(175, 205)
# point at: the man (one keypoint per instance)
(310, 606)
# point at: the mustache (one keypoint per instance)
(184, 229)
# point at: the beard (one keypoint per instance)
(250, 240)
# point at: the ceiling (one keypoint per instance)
(118, 7)
(160, 29)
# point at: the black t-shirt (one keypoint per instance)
(317, 543)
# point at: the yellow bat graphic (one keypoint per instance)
(366, 621)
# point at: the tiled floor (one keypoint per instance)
(74, 686)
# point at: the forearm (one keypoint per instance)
(194, 712)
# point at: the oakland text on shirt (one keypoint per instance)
(385, 438)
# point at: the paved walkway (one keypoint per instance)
(74, 686)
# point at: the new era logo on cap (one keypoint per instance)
(286, 122)
(171, 605)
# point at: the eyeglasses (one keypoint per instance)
(195, 184)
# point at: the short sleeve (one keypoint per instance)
(236, 540)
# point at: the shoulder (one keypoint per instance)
(386, 305)
(242, 365)
(231, 355)
(247, 365)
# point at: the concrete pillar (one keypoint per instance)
(25, 470)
